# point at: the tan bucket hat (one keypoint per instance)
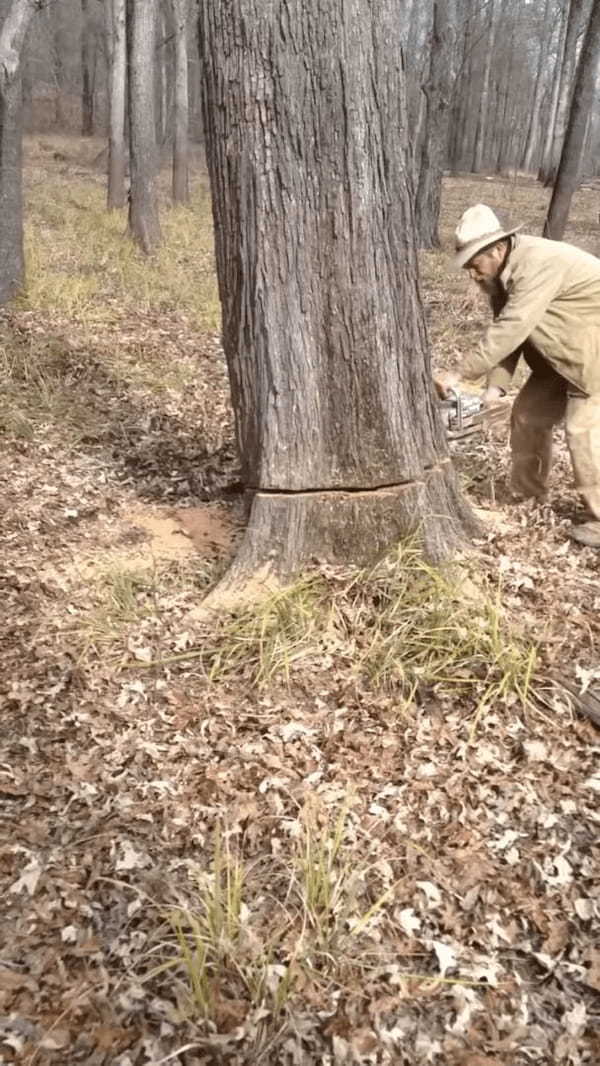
(478, 228)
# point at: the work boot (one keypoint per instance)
(588, 533)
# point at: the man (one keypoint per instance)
(545, 296)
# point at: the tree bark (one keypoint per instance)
(144, 222)
(417, 115)
(571, 158)
(574, 20)
(339, 437)
(117, 78)
(181, 189)
(161, 87)
(12, 38)
(87, 81)
(434, 145)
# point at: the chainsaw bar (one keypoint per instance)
(463, 414)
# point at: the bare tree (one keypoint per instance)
(533, 126)
(162, 68)
(57, 52)
(117, 79)
(577, 11)
(87, 78)
(462, 109)
(12, 37)
(181, 189)
(545, 163)
(484, 98)
(569, 168)
(143, 157)
(434, 143)
(323, 327)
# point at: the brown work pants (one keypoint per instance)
(545, 400)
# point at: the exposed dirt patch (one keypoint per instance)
(179, 533)
(209, 529)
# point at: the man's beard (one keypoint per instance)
(490, 286)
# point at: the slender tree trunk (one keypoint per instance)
(415, 62)
(571, 158)
(418, 121)
(553, 115)
(143, 202)
(56, 54)
(160, 77)
(533, 126)
(504, 129)
(13, 31)
(87, 90)
(484, 100)
(458, 154)
(117, 68)
(434, 146)
(567, 78)
(323, 324)
(181, 190)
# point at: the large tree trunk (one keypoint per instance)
(117, 77)
(12, 37)
(569, 168)
(575, 16)
(434, 145)
(143, 203)
(87, 81)
(181, 189)
(323, 329)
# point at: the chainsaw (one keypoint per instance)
(463, 414)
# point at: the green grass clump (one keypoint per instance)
(252, 934)
(402, 625)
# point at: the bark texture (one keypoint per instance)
(143, 204)
(181, 188)
(323, 324)
(117, 77)
(434, 145)
(12, 38)
(569, 168)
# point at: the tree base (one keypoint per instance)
(288, 532)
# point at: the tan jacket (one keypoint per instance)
(553, 303)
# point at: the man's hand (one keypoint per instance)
(444, 381)
(492, 395)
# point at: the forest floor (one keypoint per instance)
(353, 825)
